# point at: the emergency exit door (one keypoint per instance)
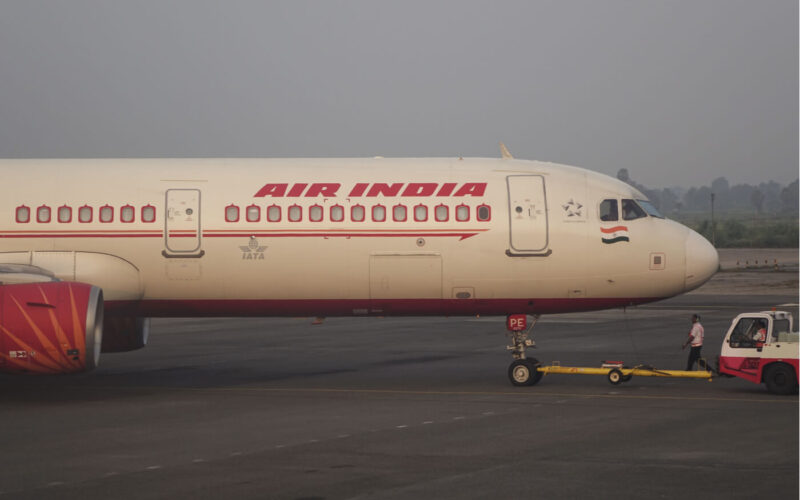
(182, 234)
(527, 212)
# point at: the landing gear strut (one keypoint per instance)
(523, 370)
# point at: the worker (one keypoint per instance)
(696, 340)
(760, 336)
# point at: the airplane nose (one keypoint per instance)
(702, 261)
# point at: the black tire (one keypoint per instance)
(615, 377)
(523, 372)
(627, 378)
(780, 379)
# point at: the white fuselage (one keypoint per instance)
(161, 237)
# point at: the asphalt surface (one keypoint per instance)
(402, 408)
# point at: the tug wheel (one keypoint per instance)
(523, 372)
(615, 377)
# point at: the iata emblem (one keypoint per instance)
(252, 251)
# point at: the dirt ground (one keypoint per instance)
(754, 271)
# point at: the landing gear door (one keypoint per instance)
(527, 212)
(182, 231)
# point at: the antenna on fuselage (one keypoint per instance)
(504, 152)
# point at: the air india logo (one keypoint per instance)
(252, 251)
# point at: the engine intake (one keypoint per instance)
(54, 327)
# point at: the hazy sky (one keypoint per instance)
(677, 92)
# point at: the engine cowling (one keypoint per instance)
(124, 333)
(53, 327)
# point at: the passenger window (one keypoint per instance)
(631, 210)
(399, 213)
(64, 214)
(420, 213)
(253, 213)
(148, 213)
(23, 214)
(462, 213)
(106, 213)
(85, 214)
(608, 210)
(295, 213)
(127, 213)
(43, 214)
(231, 213)
(337, 213)
(315, 213)
(357, 213)
(747, 332)
(378, 213)
(484, 213)
(274, 213)
(441, 213)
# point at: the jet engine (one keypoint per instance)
(50, 327)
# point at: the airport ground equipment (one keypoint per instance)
(762, 347)
(617, 373)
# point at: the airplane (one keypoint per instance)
(90, 249)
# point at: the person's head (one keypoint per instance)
(695, 318)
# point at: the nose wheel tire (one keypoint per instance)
(523, 372)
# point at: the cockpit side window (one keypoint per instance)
(608, 210)
(631, 211)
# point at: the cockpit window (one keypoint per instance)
(608, 210)
(649, 208)
(631, 211)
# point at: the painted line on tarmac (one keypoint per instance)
(323, 390)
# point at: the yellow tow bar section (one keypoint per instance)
(616, 373)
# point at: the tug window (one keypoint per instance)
(441, 213)
(337, 213)
(462, 213)
(64, 214)
(148, 213)
(631, 211)
(378, 213)
(23, 214)
(315, 213)
(295, 213)
(274, 213)
(127, 213)
(43, 214)
(608, 210)
(484, 213)
(85, 214)
(231, 213)
(399, 213)
(420, 213)
(357, 213)
(253, 213)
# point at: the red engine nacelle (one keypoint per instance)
(53, 327)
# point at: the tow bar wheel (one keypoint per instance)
(615, 376)
(523, 372)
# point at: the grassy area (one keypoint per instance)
(744, 230)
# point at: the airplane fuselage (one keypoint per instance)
(231, 237)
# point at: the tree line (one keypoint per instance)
(764, 215)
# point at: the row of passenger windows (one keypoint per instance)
(358, 213)
(85, 214)
(631, 209)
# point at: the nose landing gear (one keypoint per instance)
(523, 370)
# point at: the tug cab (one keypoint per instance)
(762, 347)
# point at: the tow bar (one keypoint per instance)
(617, 373)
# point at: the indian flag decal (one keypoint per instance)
(615, 234)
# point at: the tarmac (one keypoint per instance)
(396, 408)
